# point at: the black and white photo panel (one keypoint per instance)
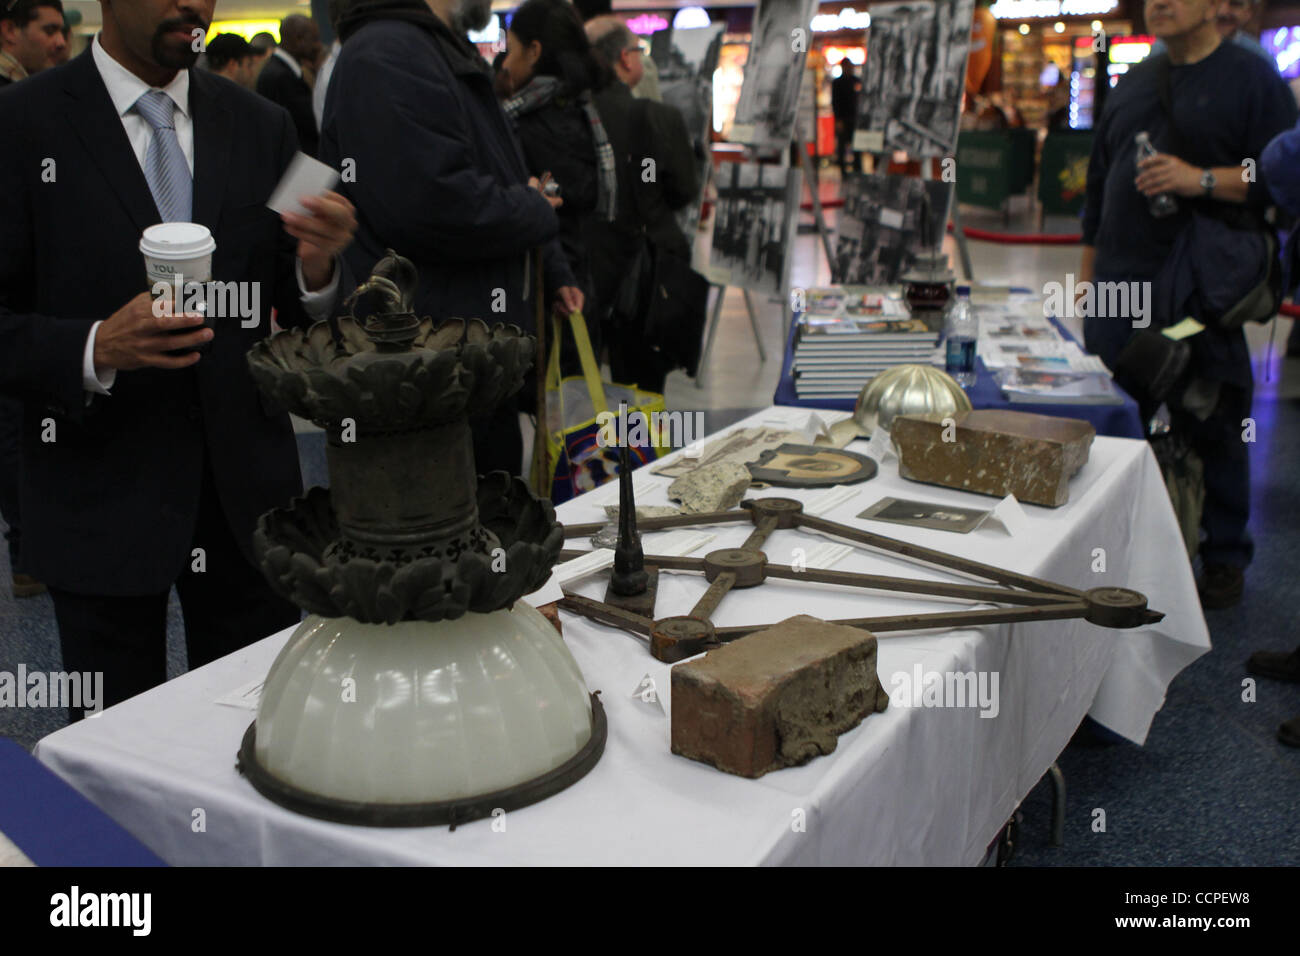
(886, 223)
(778, 54)
(914, 77)
(758, 206)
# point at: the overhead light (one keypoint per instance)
(489, 34)
(1096, 26)
(1024, 29)
(691, 18)
(1059, 27)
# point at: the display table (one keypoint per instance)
(1117, 421)
(911, 785)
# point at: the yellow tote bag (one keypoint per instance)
(586, 420)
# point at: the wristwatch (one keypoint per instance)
(1208, 182)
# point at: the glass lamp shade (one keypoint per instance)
(907, 390)
(422, 722)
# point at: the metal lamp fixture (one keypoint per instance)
(419, 690)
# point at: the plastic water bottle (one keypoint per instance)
(1162, 204)
(960, 330)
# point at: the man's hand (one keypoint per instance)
(134, 337)
(568, 299)
(321, 235)
(555, 201)
(1163, 173)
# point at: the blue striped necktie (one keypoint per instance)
(165, 168)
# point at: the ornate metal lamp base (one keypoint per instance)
(441, 813)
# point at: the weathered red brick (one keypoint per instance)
(776, 698)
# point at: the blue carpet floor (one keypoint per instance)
(1211, 786)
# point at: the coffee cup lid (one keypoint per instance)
(177, 240)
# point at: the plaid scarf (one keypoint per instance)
(542, 90)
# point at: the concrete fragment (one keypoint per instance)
(715, 487)
(776, 698)
(994, 452)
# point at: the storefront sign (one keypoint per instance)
(846, 19)
(647, 23)
(1044, 9)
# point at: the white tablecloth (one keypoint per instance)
(911, 785)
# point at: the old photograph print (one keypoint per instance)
(879, 231)
(769, 95)
(753, 228)
(686, 60)
(914, 77)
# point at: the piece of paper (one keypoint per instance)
(891, 218)
(1011, 515)
(815, 427)
(829, 499)
(599, 560)
(880, 448)
(676, 544)
(647, 693)
(304, 177)
(1184, 329)
(826, 555)
(245, 697)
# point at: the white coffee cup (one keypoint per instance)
(177, 255)
(177, 249)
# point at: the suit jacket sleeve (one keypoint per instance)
(440, 206)
(287, 299)
(40, 356)
(281, 85)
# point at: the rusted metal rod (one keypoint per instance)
(950, 619)
(975, 592)
(941, 558)
(708, 603)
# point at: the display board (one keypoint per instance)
(914, 77)
(769, 97)
(753, 230)
(686, 60)
(880, 235)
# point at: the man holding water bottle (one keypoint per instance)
(1182, 133)
(146, 463)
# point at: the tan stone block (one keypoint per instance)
(994, 452)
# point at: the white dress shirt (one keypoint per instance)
(293, 64)
(322, 84)
(124, 89)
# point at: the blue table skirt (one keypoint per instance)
(53, 824)
(1117, 421)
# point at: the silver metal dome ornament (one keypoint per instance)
(907, 390)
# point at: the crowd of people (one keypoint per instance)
(124, 452)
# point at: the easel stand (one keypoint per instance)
(715, 315)
(715, 319)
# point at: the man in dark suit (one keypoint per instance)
(146, 464)
(282, 81)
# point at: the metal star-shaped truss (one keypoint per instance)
(675, 638)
